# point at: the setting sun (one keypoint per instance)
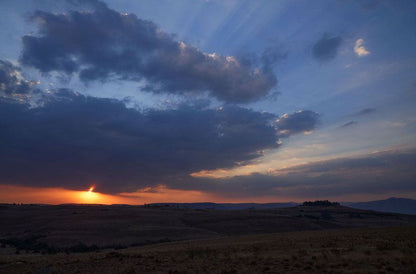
(89, 196)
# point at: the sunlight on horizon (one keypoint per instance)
(159, 194)
(89, 196)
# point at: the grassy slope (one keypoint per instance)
(61, 227)
(210, 241)
(358, 250)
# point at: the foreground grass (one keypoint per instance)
(372, 250)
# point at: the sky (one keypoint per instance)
(207, 101)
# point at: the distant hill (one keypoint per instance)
(394, 205)
(224, 206)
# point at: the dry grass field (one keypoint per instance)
(369, 250)
(129, 239)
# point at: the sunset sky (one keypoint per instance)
(207, 100)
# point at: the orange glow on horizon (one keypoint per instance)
(43, 195)
(89, 196)
(157, 194)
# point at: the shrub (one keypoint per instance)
(320, 203)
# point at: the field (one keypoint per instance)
(109, 239)
(372, 250)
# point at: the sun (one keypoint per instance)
(89, 196)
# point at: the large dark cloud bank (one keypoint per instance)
(73, 140)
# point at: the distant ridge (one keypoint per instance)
(391, 205)
(394, 205)
(225, 206)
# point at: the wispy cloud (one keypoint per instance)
(350, 123)
(379, 173)
(365, 111)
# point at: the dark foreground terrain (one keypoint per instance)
(369, 250)
(132, 239)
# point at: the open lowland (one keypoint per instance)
(133, 239)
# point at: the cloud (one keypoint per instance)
(73, 141)
(326, 48)
(103, 44)
(11, 80)
(350, 123)
(298, 122)
(365, 111)
(359, 49)
(382, 173)
(271, 56)
(374, 173)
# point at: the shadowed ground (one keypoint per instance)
(370, 250)
(133, 239)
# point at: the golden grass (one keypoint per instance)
(369, 250)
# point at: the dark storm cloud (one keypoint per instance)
(350, 123)
(377, 173)
(298, 122)
(103, 44)
(74, 140)
(326, 48)
(11, 81)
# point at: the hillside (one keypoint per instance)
(396, 205)
(363, 250)
(393, 205)
(90, 227)
(225, 206)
